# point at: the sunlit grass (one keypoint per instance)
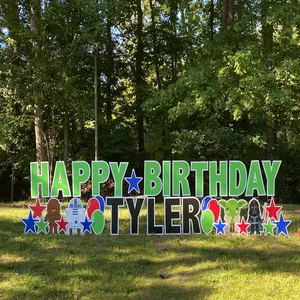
(146, 267)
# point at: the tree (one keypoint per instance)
(183, 79)
(139, 80)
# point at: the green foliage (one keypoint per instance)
(209, 91)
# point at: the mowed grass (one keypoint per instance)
(146, 267)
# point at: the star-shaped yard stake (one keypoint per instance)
(243, 226)
(220, 227)
(30, 223)
(62, 224)
(42, 226)
(272, 210)
(282, 225)
(87, 225)
(269, 227)
(133, 182)
(37, 209)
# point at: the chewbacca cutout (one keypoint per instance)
(53, 214)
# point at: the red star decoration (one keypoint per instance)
(299, 232)
(273, 210)
(243, 226)
(62, 224)
(37, 209)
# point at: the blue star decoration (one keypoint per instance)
(282, 225)
(30, 223)
(87, 225)
(220, 227)
(133, 182)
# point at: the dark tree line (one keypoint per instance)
(149, 79)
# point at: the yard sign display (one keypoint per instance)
(186, 208)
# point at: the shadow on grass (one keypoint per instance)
(55, 266)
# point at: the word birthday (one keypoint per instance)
(225, 178)
(183, 213)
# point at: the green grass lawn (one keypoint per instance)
(146, 267)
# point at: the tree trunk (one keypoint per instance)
(271, 142)
(38, 117)
(267, 29)
(267, 36)
(38, 129)
(211, 17)
(12, 183)
(139, 78)
(230, 16)
(157, 72)
(155, 52)
(225, 12)
(228, 12)
(173, 18)
(110, 69)
(96, 97)
(66, 137)
(183, 21)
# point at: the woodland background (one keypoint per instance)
(128, 80)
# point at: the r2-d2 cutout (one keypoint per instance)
(75, 214)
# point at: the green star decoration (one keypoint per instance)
(269, 227)
(42, 226)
